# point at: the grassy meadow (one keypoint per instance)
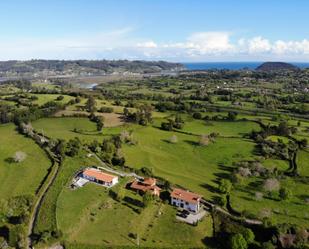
(97, 217)
(23, 177)
(191, 166)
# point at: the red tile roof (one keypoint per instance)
(150, 181)
(99, 175)
(185, 195)
(149, 184)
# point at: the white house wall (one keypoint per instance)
(186, 205)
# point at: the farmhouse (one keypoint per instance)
(186, 200)
(100, 177)
(148, 184)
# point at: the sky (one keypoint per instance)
(172, 30)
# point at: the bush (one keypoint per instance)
(204, 140)
(248, 235)
(106, 109)
(225, 186)
(285, 194)
(237, 241)
(173, 139)
(19, 156)
(197, 115)
(271, 185)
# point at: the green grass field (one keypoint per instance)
(26, 176)
(47, 217)
(68, 128)
(185, 163)
(44, 98)
(100, 220)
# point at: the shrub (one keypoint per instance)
(271, 185)
(106, 109)
(285, 193)
(173, 139)
(258, 196)
(204, 140)
(197, 115)
(248, 235)
(19, 156)
(237, 241)
(225, 186)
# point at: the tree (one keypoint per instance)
(60, 97)
(173, 139)
(91, 104)
(100, 124)
(60, 148)
(19, 156)
(237, 241)
(221, 200)
(225, 186)
(197, 115)
(167, 126)
(231, 116)
(108, 150)
(268, 245)
(303, 143)
(147, 198)
(120, 194)
(283, 129)
(248, 235)
(271, 185)
(73, 147)
(285, 193)
(204, 140)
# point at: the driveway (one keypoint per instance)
(193, 218)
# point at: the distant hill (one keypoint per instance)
(83, 67)
(275, 66)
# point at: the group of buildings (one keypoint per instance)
(183, 199)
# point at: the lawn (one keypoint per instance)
(186, 163)
(44, 98)
(26, 176)
(224, 128)
(47, 218)
(70, 127)
(199, 168)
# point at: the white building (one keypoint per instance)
(100, 177)
(186, 200)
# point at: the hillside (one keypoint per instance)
(83, 67)
(275, 66)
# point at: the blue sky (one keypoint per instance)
(182, 30)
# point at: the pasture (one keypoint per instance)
(24, 177)
(90, 216)
(70, 127)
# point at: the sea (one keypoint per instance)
(232, 65)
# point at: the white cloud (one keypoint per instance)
(148, 44)
(258, 45)
(123, 44)
(209, 42)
